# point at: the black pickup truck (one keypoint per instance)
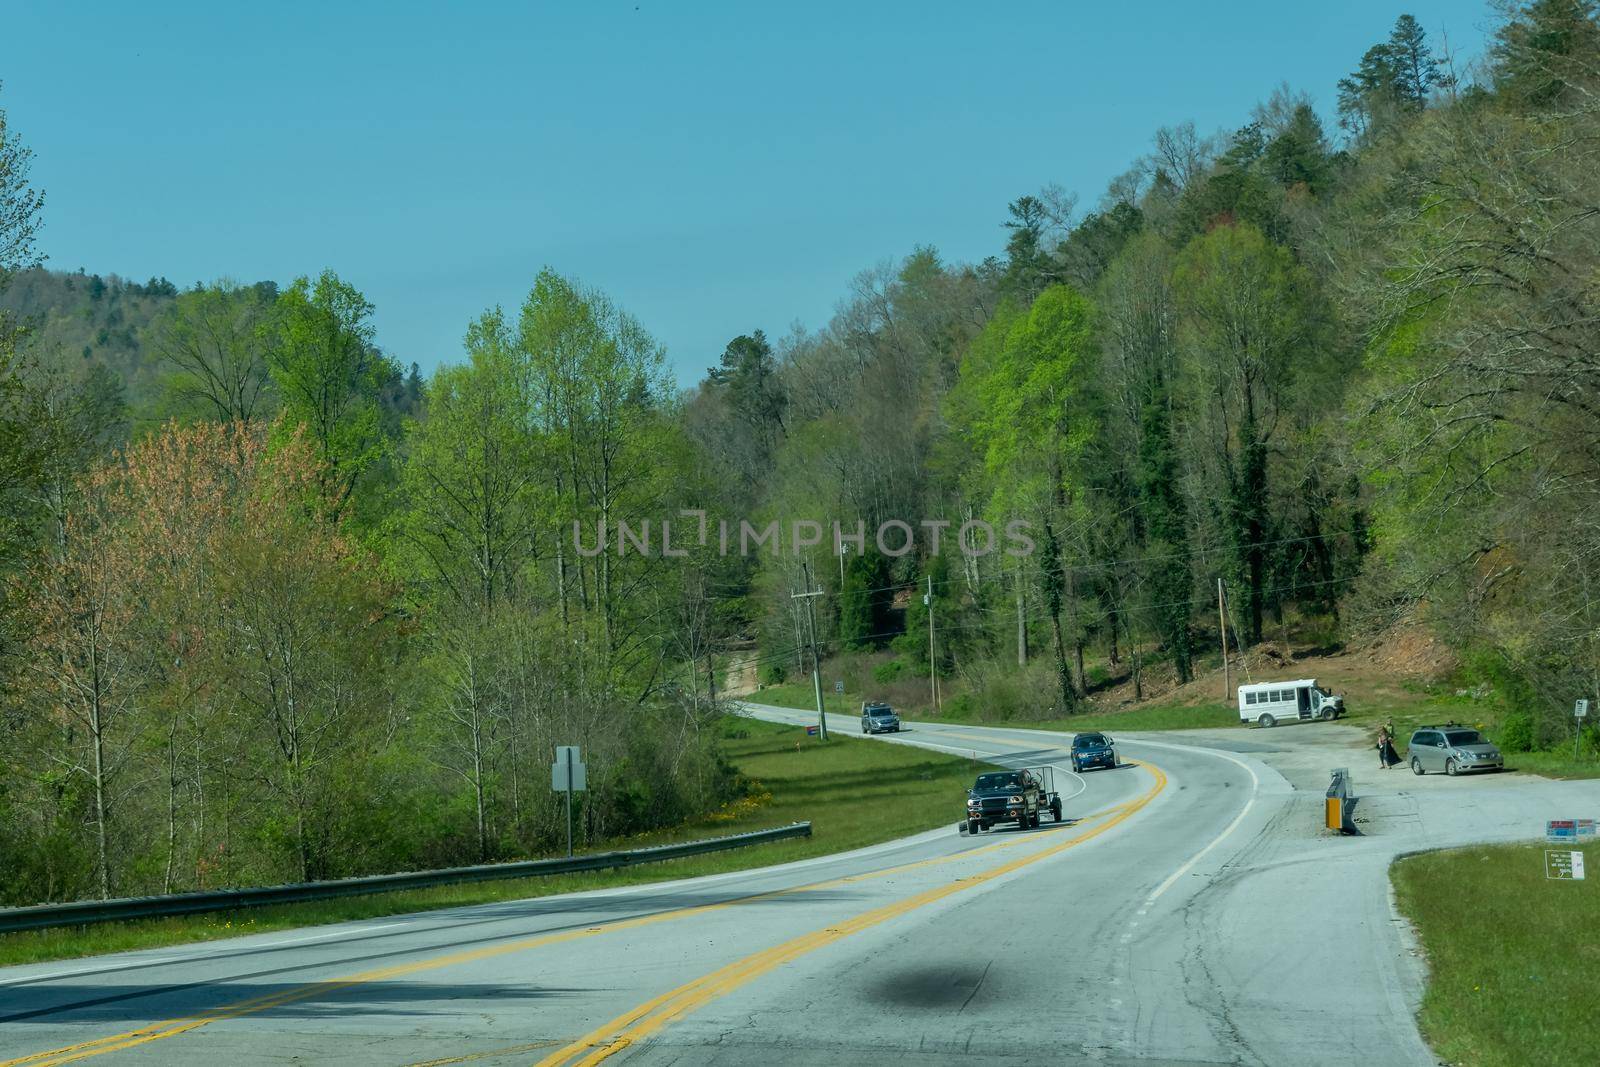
(1021, 797)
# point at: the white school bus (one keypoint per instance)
(1269, 703)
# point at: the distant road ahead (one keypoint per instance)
(1181, 915)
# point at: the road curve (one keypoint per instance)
(1113, 938)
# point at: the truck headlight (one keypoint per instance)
(1014, 800)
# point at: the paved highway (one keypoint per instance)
(1187, 912)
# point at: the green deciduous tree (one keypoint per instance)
(1028, 413)
(216, 340)
(329, 373)
(1248, 323)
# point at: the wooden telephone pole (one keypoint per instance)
(933, 671)
(809, 596)
(1222, 625)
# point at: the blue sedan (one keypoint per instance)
(1093, 750)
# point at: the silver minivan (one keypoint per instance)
(1452, 749)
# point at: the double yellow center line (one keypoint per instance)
(641, 1022)
(255, 1005)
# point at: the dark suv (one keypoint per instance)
(1093, 750)
(879, 719)
(1453, 749)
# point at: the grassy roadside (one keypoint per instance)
(855, 793)
(1406, 706)
(1512, 955)
(1148, 717)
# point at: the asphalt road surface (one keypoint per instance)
(1187, 911)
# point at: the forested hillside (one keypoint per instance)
(1347, 371)
(275, 609)
(80, 320)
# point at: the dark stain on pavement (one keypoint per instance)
(939, 987)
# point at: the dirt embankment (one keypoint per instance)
(1379, 668)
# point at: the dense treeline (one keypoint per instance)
(272, 608)
(1348, 373)
(297, 615)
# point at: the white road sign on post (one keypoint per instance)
(568, 775)
(1580, 709)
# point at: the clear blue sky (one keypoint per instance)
(714, 167)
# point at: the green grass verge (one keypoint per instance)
(1407, 706)
(854, 792)
(1512, 955)
(1151, 717)
(1147, 717)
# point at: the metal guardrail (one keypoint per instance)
(1340, 804)
(83, 912)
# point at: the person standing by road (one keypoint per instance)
(1384, 747)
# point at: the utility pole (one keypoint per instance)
(799, 638)
(1222, 628)
(933, 671)
(1022, 625)
(809, 596)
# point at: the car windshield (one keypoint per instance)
(1090, 741)
(879, 713)
(998, 781)
(1464, 737)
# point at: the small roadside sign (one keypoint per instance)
(1580, 709)
(1561, 831)
(1562, 865)
(812, 731)
(1585, 827)
(838, 687)
(568, 772)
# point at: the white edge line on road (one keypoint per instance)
(1255, 791)
(1082, 785)
(967, 750)
(161, 961)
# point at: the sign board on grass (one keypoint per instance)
(1562, 865)
(1561, 831)
(812, 731)
(1585, 827)
(1580, 709)
(838, 687)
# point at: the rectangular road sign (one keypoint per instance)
(1580, 709)
(1585, 827)
(568, 771)
(1563, 866)
(812, 731)
(838, 687)
(1561, 831)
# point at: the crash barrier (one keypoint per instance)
(1340, 803)
(83, 912)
